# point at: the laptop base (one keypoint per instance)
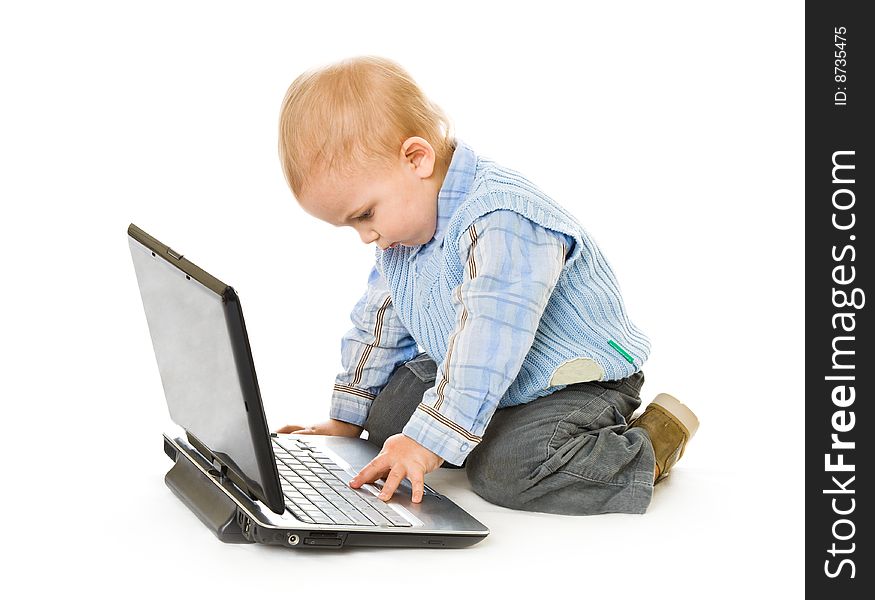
(204, 499)
(191, 480)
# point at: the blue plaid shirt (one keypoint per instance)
(485, 326)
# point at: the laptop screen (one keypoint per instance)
(205, 364)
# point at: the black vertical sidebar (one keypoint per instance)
(839, 373)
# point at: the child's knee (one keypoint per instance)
(500, 482)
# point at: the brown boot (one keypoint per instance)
(670, 426)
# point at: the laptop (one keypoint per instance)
(246, 484)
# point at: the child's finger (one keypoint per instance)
(392, 482)
(371, 472)
(289, 428)
(417, 482)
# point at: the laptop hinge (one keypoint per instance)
(219, 471)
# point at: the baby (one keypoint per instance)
(492, 333)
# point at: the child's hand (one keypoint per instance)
(400, 457)
(329, 427)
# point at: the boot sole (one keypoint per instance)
(680, 411)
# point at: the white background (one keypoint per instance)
(674, 131)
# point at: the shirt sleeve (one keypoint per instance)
(375, 346)
(512, 266)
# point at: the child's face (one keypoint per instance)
(394, 205)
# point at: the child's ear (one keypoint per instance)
(418, 153)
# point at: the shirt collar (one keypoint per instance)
(456, 185)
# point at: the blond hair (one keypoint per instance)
(355, 114)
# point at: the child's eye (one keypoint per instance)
(365, 215)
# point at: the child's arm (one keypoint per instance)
(512, 266)
(370, 352)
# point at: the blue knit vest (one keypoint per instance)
(583, 317)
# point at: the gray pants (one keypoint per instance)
(567, 453)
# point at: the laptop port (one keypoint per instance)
(323, 538)
(320, 541)
(294, 540)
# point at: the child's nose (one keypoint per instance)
(368, 236)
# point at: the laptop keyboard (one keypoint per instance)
(316, 489)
